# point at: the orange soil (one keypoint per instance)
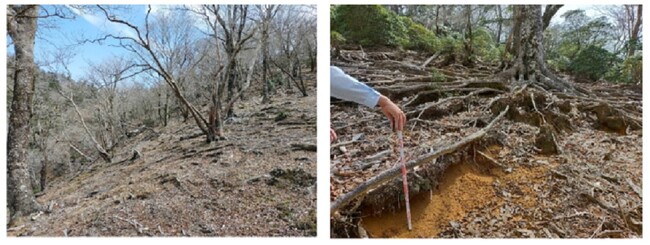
(462, 189)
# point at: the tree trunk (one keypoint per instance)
(100, 149)
(265, 62)
(311, 51)
(550, 11)
(21, 27)
(499, 23)
(166, 112)
(514, 39)
(231, 85)
(436, 21)
(185, 112)
(43, 180)
(469, 61)
(529, 62)
(215, 127)
(160, 107)
(634, 35)
(303, 88)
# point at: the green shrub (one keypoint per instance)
(627, 71)
(560, 63)
(369, 25)
(592, 62)
(633, 69)
(336, 38)
(450, 44)
(485, 46)
(419, 37)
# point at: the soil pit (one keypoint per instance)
(464, 187)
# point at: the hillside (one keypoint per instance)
(254, 183)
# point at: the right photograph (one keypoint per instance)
(486, 121)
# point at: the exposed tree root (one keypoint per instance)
(390, 174)
(556, 110)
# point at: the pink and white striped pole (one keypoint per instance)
(404, 180)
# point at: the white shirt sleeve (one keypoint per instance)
(345, 87)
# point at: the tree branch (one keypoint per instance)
(390, 174)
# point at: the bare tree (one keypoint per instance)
(106, 76)
(21, 27)
(267, 14)
(292, 27)
(100, 149)
(233, 27)
(148, 50)
(229, 28)
(625, 18)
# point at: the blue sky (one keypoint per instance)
(64, 35)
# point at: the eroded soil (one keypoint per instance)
(557, 166)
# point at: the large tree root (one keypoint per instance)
(431, 91)
(536, 109)
(427, 108)
(390, 174)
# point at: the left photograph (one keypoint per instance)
(161, 120)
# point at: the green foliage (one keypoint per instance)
(581, 45)
(369, 25)
(437, 76)
(374, 25)
(451, 44)
(559, 64)
(336, 38)
(419, 37)
(628, 71)
(484, 45)
(592, 62)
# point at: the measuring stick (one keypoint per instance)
(404, 180)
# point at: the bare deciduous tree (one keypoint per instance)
(106, 76)
(142, 45)
(267, 13)
(292, 28)
(21, 27)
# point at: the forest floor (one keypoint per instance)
(585, 182)
(254, 183)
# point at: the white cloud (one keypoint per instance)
(103, 24)
(158, 9)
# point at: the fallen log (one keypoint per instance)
(393, 172)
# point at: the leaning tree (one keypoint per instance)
(150, 48)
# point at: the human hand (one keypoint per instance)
(332, 135)
(394, 114)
